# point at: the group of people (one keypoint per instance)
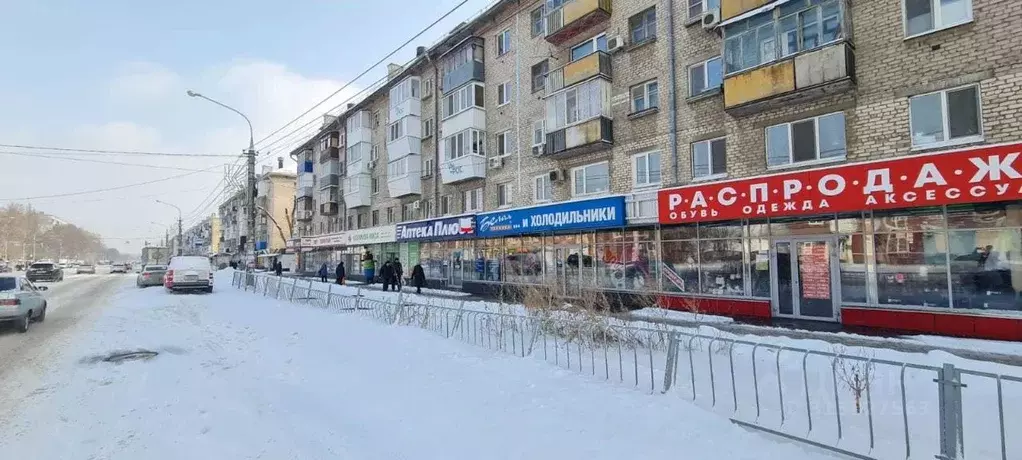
(339, 273)
(391, 275)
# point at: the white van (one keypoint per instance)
(189, 273)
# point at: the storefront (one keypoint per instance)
(317, 250)
(378, 241)
(928, 243)
(567, 246)
(440, 246)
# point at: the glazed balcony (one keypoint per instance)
(588, 136)
(575, 17)
(593, 65)
(463, 168)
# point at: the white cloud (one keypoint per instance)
(162, 118)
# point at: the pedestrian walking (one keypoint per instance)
(340, 272)
(386, 275)
(323, 272)
(399, 274)
(418, 278)
(278, 268)
(369, 267)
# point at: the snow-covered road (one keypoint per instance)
(240, 377)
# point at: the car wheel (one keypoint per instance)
(25, 322)
(42, 314)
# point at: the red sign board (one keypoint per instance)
(975, 175)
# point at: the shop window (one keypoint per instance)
(852, 264)
(488, 256)
(679, 232)
(721, 230)
(911, 268)
(759, 267)
(681, 266)
(591, 179)
(909, 220)
(709, 159)
(946, 117)
(721, 267)
(923, 16)
(806, 141)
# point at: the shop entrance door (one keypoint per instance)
(457, 275)
(805, 283)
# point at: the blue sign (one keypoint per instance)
(438, 229)
(571, 215)
(260, 245)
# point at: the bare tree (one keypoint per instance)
(855, 372)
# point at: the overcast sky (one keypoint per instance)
(113, 74)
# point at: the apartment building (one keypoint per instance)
(274, 204)
(233, 226)
(199, 239)
(831, 161)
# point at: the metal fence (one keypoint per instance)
(853, 404)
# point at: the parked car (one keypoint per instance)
(21, 302)
(86, 268)
(44, 271)
(118, 268)
(151, 275)
(189, 273)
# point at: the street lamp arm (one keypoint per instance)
(251, 136)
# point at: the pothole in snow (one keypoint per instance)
(122, 356)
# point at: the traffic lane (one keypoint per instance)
(69, 306)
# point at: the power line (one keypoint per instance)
(109, 189)
(82, 152)
(381, 61)
(87, 160)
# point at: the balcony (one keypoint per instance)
(732, 8)
(463, 65)
(593, 65)
(575, 17)
(329, 180)
(404, 146)
(466, 167)
(471, 118)
(304, 192)
(357, 191)
(304, 215)
(404, 185)
(329, 154)
(589, 136)
(358, 128)
(358, 159)
(329, 209)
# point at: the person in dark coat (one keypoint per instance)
(323, 272)
(278, 268)
(399, 273)
(340, 272)
(387, 275)
(418, 278)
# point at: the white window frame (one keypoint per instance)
(427, 128)
(946, 120)
(469, 139)
(542, 20)
(709, 150)
(560, 115)
(390, 214)
(473, 195)
(816, 134)
(539, 127)
(503, 39)
(644, 86)
(778, 49)
(374, 186)
(427, 87)
(645, 156)
(462, 99)
(504, 93)
(374, 152)
(445, 205)
(427, 167)
(595, 41)
(703, 7)
(409, 88)
(505, 142)
(396, 130)
(937, 19)
(706, 76)
(542, 184)
(584, 180)
(645, 26)
(505, 195)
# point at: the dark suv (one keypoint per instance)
(44, 271)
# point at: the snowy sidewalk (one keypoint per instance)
(242, 377)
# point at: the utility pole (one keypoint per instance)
(180, 239)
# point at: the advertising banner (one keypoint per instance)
(571, 215)
(975, 175)
(437, 229)
(375, 235)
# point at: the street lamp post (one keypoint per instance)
(180, 238)
(250, 189)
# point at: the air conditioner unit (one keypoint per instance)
(557, 175)
(537, 150)
(371, 164)
(416, 204)
(614, 44)
(496, 162)
(711, 18)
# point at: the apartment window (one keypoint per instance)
(427, 167)
(461, 56)
(643, 26)
(445, 205)
(376, 120)
(361, 220)
(817, 138)
(922, 16)
(762, 38)
(357, 152)
(538, 133)
(408, 211)
(395, 131)
(374, 153)
(590, 46)
(398, 168)
(427, 87)
(505, 143)
(590, 179)
(322, 228)
(376, 217)
(467, 142)
(646, 169)
(407, 89)
(696, 8)
(504, 195)
(504, 42)
(360, 119)
(709, 158)
(390, 215)
(473, 199)
(375, 185)
(645, 96)
(539, 72)
(578, 103)
(537, 18)
(542, 189)
(705, 76)
(945, 117)
(462, 98)
(351, 222)
(427, 128)
(504, 93)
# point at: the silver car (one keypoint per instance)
(21, 302)
(151, 275)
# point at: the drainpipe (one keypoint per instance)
(436, 133)
(518, 102)
(673, 97)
